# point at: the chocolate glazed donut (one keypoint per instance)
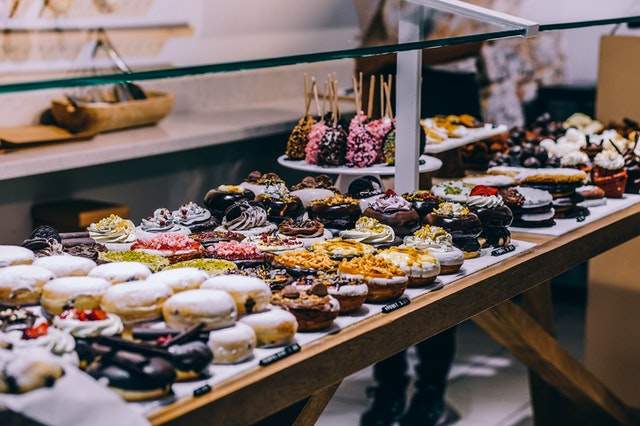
(279, 209)
(464, 230)
(217, 200)
(403, 222)
(341, 216)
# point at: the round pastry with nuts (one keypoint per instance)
(370, 231)
(351, 293)
(494, 215)
(463, 225)
(439, 243)
(385, 280)
(337, 212)
(313, 308)
(420, 266)
(339, 248)
(308, 231)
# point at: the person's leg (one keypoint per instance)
(435, 357)
(389, 393)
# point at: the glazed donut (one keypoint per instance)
(214, 308)
(77, 292)
(27, 371)
(22, 284)
(251, 294)
(121, 272)
(274, 327)
(15, 255)
(63, 265)
(136, 301)
(232, 344)
(180, 279)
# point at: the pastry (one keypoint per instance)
(180, 279)
(279, 203)
(15, 255)
(136, 301)
(350, 293)
(175, 247)
(213, 308)
(241, 253)
(121, 272)
(221, 198)
(365, 189)
(316, 135)
(362, 147)
(314, 188)
(439, 243)
(269, 243)
(25, 372)
(161, 222)
(210, 266)
(16, 319)
(609, 173)
(22, 284)
(393, 210)
(632, 164)
(583, 122)
(308, 231)
(250, 294)
(455, 191)
(194, 217)
(78, 292)
(246, 219)
(385, 280)
(257, 182)
(370, 231)
(207, 238)
(302, 261)
(276, 278)
(423, 202)
(420, 266)
(232, 345)
(531, 207)
(299, 137)
(380, 128)
(88, 323)
(66, 266)
(593, 196)
(89, 250)
(41, 336)
(389, 147)
(114, 232)
(337, 212)
(332, 148)
(495, 217)
(314, 309)
(463, 225)
(153, 262)
(339, 248)
(275, 327)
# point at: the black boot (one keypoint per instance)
(386, 408)
(427, 408)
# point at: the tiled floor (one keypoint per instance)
(487, 386)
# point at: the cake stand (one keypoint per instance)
(346, 175)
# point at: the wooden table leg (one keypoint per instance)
(511, 326)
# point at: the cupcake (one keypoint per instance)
(194, 217)
(114, 232)
(385, 280)
(219, 199)
(246, 219)
(350, 293)
(314, 188)
(314, 308)
(420, 266)
(370, 231)
(279, 203)
(308, 231)
(337, 212)
(609, 173)
(577, 160)
(463, 225)
(439, 243)
(393, 210)
(161, 222)
(423, 201)
(366, 189)
(257, 182)
(495, 217)
(632, 164)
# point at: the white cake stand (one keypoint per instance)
(346, 175)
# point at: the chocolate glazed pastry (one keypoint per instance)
(464, 230)
(333, 147)
(217, 200)
(281, 208)
(336, 212)
(396, 212)
(301, 228)
(424, 202)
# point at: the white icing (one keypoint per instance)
(120, 272)
(447, 256)
(242, 288)
(425, 266)
(573, 137)
(20, 366)
(135, 294)
(534, 197)
(56, 341)
(232, 344)
(268, 228)
(609, 160)
(180, 279)
(349, 290)
(490, 180)
(215, 307)
(10, 255)
(481, 201)
(593, 202)
(378, 280)
(24, 277)
(64, 265)
(452, 191)
(272, 322)
(110, 326)
(253, 187)
(574, 158)
(76, 286)
(538, 217)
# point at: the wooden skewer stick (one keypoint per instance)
(356, 93)
(381, 96)
(307, 96)
(372, 86)
(314, 87)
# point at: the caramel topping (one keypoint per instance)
(370, 266)
(336, 200)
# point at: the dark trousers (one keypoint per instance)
(435, 356)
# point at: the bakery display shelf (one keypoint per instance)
(348, 174)
(327, 361)
(474, 135)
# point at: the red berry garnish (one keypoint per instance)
(484, 191)
(35, 332)
(97, 315)
(81, 315)
(389, 193)
(163, 339)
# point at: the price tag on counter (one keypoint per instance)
(403, 301)
(503, 250)
(289, 350)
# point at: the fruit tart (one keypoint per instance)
(88, 323)
(244, 254)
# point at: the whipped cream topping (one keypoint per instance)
(161, 221)
(110, 326)
(370, 231)
(430, 237)
(412, 261)
(583, 122)
(573, 137)
(191, 213)
(451, 210)
(609, 160)
(534, 197)
(485, 201)
(452, 191)
(560, 149)
(250, 217)
(390, 203)
(113, 229)
(574, 158)
(56, 341)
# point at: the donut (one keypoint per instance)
(180, 279)
(251, 294)
(22, 284)
(136, 301)
(450, 258)
(420, 266)
(121, 272)
(15, 255)
(274, 327)
(66, 266)
(232, 344)
(314, 308)
(27, 371)
(213, 308)
(77, 292)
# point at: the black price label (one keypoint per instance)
(580, 218)
(289, 350)
(403, 301)
(202, 390)
(503, 250)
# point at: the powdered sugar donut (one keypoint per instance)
(274, 327)
(22, 284)
(136, 301)
(232, 344)
(121, 272)
(78, 292)
(15, 255)
(251, 294)
(180, 279)
(66, 266)
(213, 308)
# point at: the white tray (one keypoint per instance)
(474, 135)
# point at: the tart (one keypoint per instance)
(302, 261)
(423, 201)
(609, 173)
(370, 231)
(114, 232)
(210, 266)
(495, 217)
(269, 243)
(242, 253)
(219, 199)
(393, 210)
(257, 182)
(350, 293)
(246, 219)
(84, 324)
(175, 247)
(385, 280)
(337, 212)
(194, 217)
(279, 203)
(154, 262)
(339, 248)
(314, 188)
(314, 308)
(439, 243)
(420, 266)
(463, 225)
(161, 222)
(308, 231)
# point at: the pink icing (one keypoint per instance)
(390, 203)
(313, 145)
(379, 129)
(361, 145)
(234, 250)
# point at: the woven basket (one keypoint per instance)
(103, 117)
